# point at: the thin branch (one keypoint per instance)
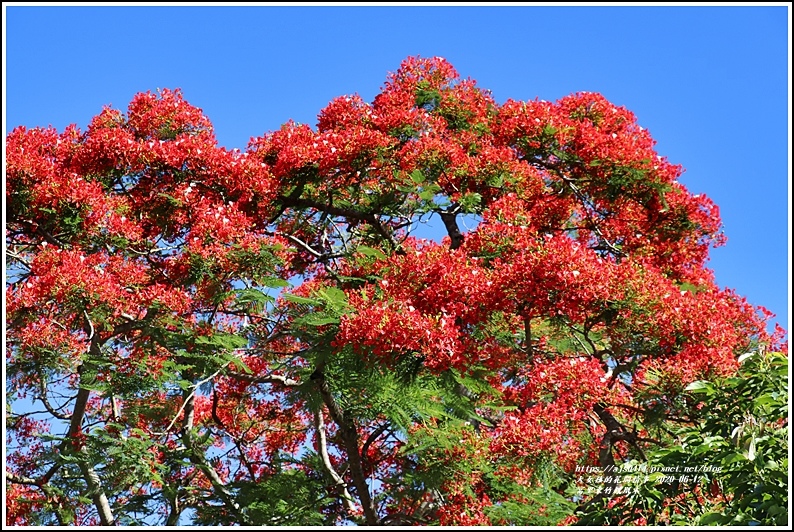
(18, 258)
(371, 217)
(298, 241)
(188, 400)
(200, 461)
(372, 437)
(581, 344)
(49, 238)
(238, 444)
(319, 425)
(46, 402)
(153, 250)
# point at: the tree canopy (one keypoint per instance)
(198, 335)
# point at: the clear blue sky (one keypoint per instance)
(710, 83)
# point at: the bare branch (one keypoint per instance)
(19, 479)
(18, 258)
(298, 241)
(319, 425)
(369, 217)
(262, 379)
(114, 405)
(89, 326)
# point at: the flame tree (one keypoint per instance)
(212, 336)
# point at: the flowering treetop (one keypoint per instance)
(209, 328)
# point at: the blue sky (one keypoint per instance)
(712, 84)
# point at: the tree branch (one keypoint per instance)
(76, 427)
(370, 218)
(319, 425)
(349, 435)
(198, 459)
(280, 379)
(46, 402)
(372, 437)
(449, 216)
(187, 402)
(18, 258)
(19, 479)
(528, 338)
(96, 491)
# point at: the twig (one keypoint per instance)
(189, 397)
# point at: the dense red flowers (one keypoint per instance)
(229, 321)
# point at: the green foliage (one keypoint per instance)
(730, 467)
(426, 96)
(417, 177)
(445, 457)
(288, 497)
(470, 202)
(540, 505)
